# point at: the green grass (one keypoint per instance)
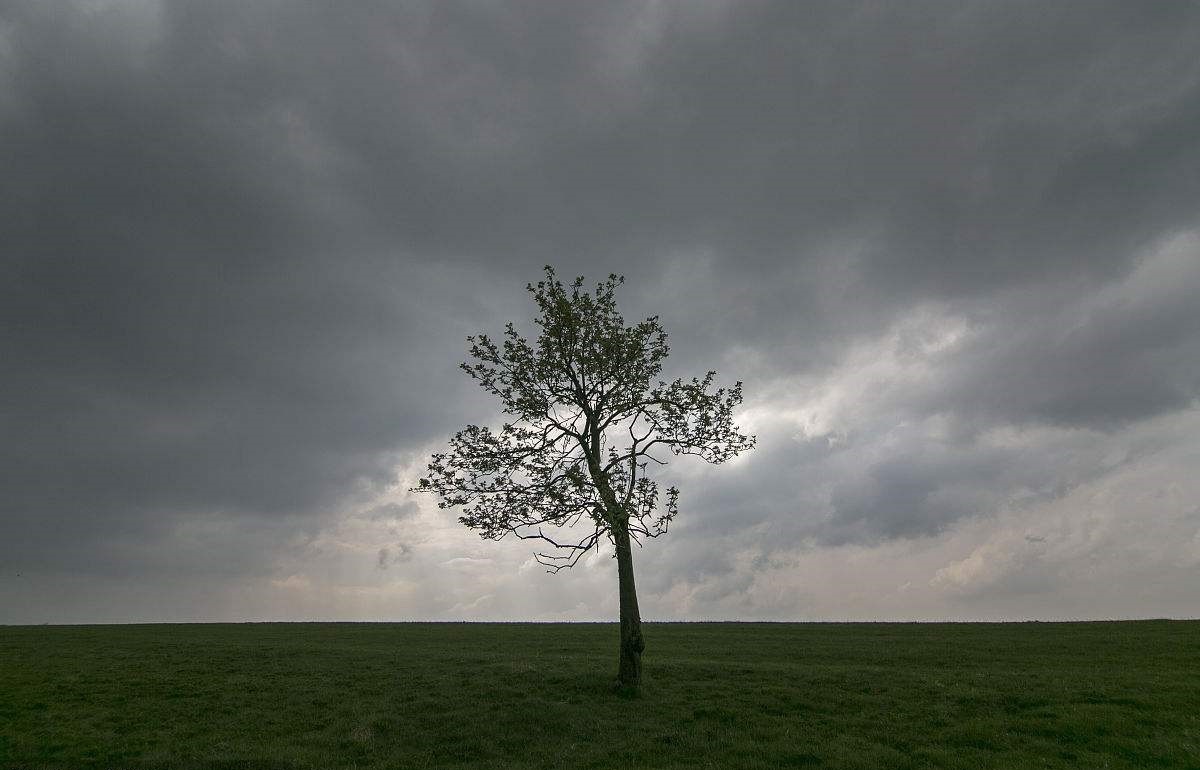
(1033, 695)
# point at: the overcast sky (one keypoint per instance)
(952, 249)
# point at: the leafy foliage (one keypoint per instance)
(588, 417)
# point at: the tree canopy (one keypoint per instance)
(588, 419)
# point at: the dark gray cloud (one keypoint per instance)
(1128, 351)
(242, 243)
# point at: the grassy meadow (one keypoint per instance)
(1033, 695)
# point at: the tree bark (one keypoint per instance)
(629, 670)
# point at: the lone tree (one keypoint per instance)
(587, 418)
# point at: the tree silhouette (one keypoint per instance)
(588, 419)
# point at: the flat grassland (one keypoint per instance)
(1031, 695)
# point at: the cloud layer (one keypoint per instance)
(952, 250)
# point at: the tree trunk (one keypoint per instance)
(629, 671)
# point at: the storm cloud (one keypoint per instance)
(952, 249)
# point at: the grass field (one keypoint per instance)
(1087, 695)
